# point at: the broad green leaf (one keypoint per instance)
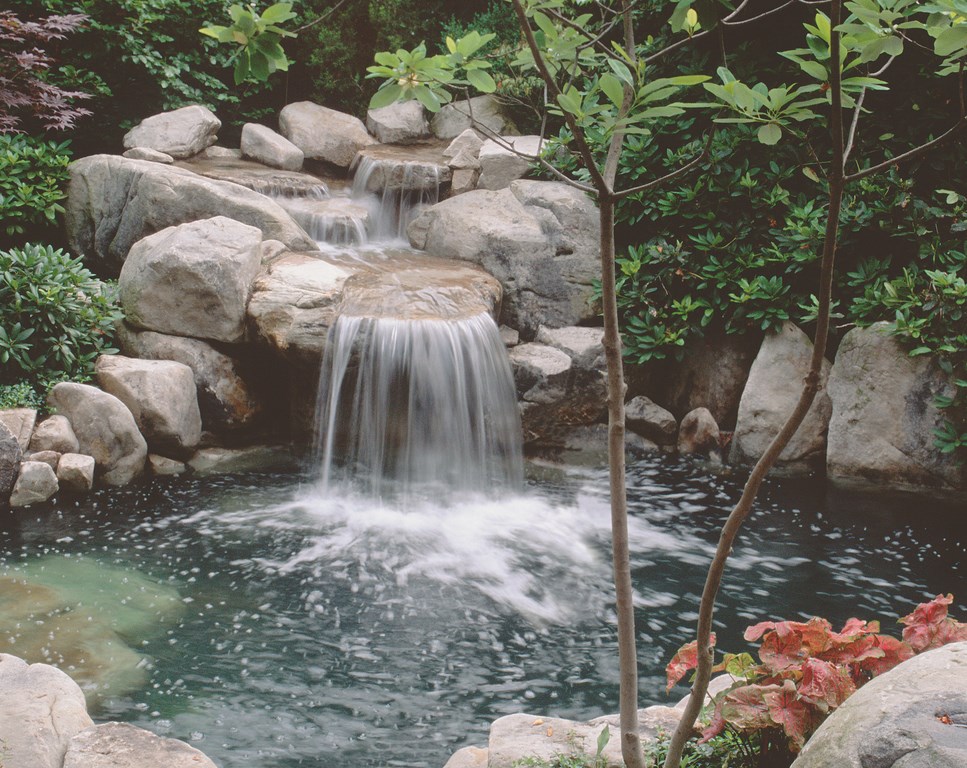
(677, 20)
(622, 71)
(278, 13)
(809, 173)
(213, 31)
(451, 45)
(891, 46)
(769, 134)
(481, 80)
(385, 96)
(386, 58)
(569, 102)
(427, 98)
(950, 40)
(612, 88)
(814, 69)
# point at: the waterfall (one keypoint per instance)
(417, 407)
(401, 189)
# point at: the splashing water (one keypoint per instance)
(401, 189)
(418, 406)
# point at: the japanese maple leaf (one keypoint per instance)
(682, 662)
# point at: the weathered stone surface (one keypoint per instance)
(261, 143)
(712, 374)
(20, 422)
(162, 466)
(54, 434)
(41, 709)
(510, 336)
(538, 238)
(216, 152)
(10, 457)
(555, 393)
(771, 392)
(484, 111)
(466, 145)
(881, 429)
(227, 400)
(212, 461)
(401, 123)
(463, 180)
(324, 134)
(51, 458)
(468, 757)
(35, 483)
(75, 473)
(192, 280)
(895, 719)
(500, 165)
(698, 433)
(114, 202)
(650, 420)
(105, 429)
(519, 736)
(152, 155)
(122, 745)
(294, 303)
(180, 133)
(585, 346)
(160, 395)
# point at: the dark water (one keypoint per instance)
(273, 628)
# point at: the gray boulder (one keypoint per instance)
(771, 392)
(324, 134)
(41, 710)
(193, 280)
(160, 395)
(105, 429)
(484, 112)
(226, 398)
(882, 427)
(500, 165)
(180, 133)
(214, 461)
(401, 123)
(162, 466)
(10, 457)
(20, 422)
(464, 150)
(650, 420)
(468, 757)
(122, 745)
(584, 345)
(54, 434)
(538, 238)
(75, 473)
(264, 145)
(153, 155)
(36, 482)
(114, 202)
(51, 458)
(914, 716)
(698, 433)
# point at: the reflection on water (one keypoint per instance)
(277, 628)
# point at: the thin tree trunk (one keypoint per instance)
(810, 387)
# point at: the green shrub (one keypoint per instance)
(33, 177)
(55, 317)
(20, 395)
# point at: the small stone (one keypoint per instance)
(510, 336)
(463, 181)
(585, 346)
(54, 434)
(75, 473)
(223, 153)
(146, 153)
(179, 133)
(651, 420)
(35, 483)
(699, 433)
(162, 466)
(48, 457)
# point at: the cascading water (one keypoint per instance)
(401, 189)
(418, 406)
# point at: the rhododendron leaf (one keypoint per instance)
(682, 662)
(825, 685)
(796, 718)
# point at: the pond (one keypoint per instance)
(273, 626)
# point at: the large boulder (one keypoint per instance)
(882, 426)
(324, 134)
(114, 202)
(10, 457)
(226, 396)
(160, 395)
(771, 392)
(264, 145)
(21, 423)
(105, 429)
(193, 280)
(484, 112)
(41, 710)
(122, 745)
(914, 716)
(180, 133)
(500, 164)
(538, 238)
(36, 482)
(294, 303)
(401, 123)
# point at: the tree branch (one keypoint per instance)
(621, 194)
(909, 155)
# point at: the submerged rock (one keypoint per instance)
(41, 710)
(179, 133)
(212, 461)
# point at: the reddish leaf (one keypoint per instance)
(930, 627)
(782, 651)
(893, 652)
(796, 718)
(825, 685)
(746, 707)
(682, 662)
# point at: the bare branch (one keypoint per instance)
(323, 17)
(621, 194)
(909, 155)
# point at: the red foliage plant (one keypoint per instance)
(25, 88)
(806, 670)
